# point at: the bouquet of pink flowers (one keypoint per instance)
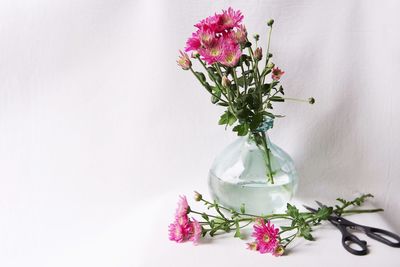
(235, 78)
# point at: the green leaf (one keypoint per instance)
(241, 129)
(281, 90)
(212, 232)
(212, 73)
(201, 76)
(292, 211)
(237, 232)
(266, 88)
(240, 81)
(227, 118)
(212, 223)
(223, 104)
(217, 92)
(277, 99)
(305, 232)
(205, 217)
(242, 208)
(324, 213)
(243, 113)
(204, 232)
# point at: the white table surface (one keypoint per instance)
(99, 234)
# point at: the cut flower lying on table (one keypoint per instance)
(267, 237)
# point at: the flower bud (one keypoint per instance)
(225, 81)
(184, 61)
(277, 74)
(258, 53)
(270, 22)
(241, 35)
(197, 196)
(256, 37)
(270, 65)
(195, 54)
(252, 246)
(279, 251)
(311, 100)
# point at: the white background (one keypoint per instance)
(100, 130)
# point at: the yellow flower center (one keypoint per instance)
(215, 51)
(266, 238)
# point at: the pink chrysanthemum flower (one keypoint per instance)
(241, 34)
(209, 23)
(207, 37)
(193, 43)
(183, 207)
(266, 236)
(183, 228)
(231, 55)
(195, 231)
(176, 232)
(214, 53)
(184, 61)
(228, 20)
(277, 74)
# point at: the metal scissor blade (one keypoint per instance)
(320, 204)
(310, 209)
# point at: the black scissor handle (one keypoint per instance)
(349, 239)
(379, 235)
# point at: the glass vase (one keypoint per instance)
(254, 173)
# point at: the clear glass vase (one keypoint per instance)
(241, 175)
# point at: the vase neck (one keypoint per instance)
(252, 137)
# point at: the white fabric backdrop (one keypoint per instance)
(96, 119)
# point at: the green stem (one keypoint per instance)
(244, 78)
(236, 81)
(209, 215)
(267, 151)
(295, 99)
(267, 55)
(291, 238)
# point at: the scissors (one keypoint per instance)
(349, 239)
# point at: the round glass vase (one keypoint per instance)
(255, 173)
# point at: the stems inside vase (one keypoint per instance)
(261, 141)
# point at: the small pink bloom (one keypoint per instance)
(228, 20)
(195, 231)
(277, 73)
(266, 236)
(183, 207)
(184, 61)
